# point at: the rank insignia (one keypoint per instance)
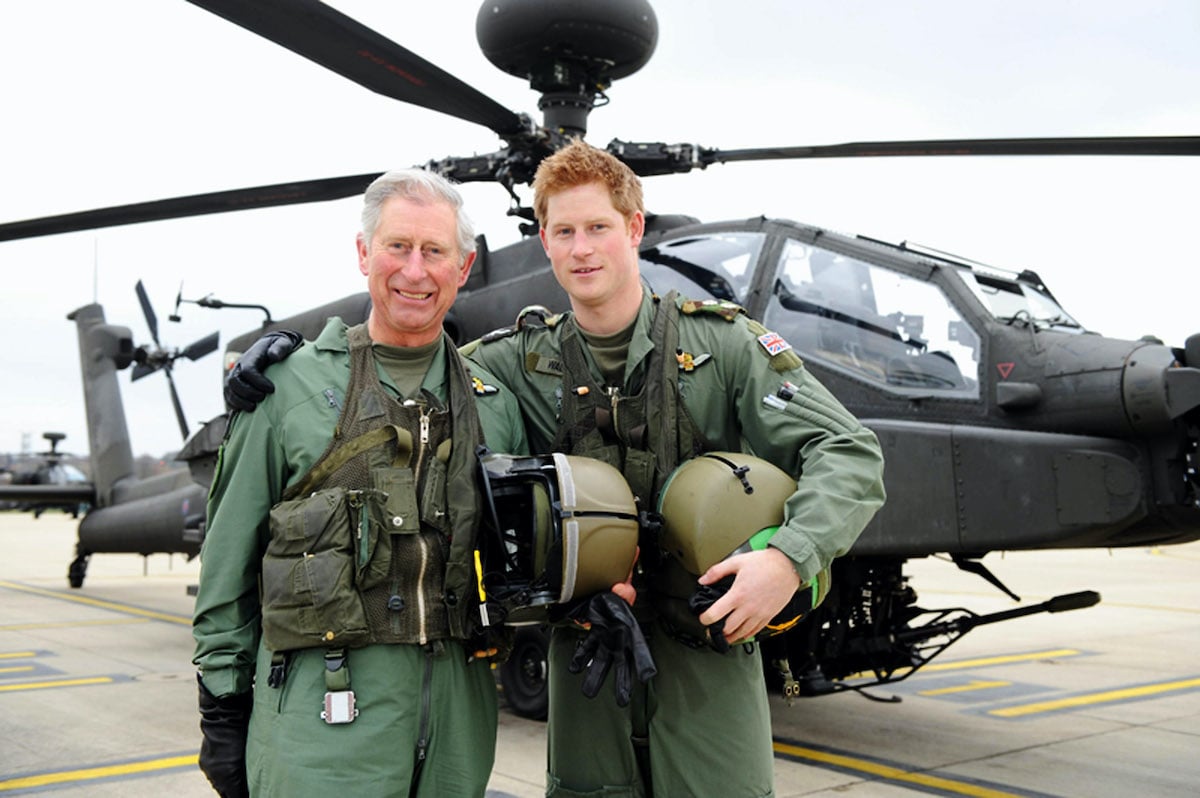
(481, 389)
(726, 310)
(688, 362)
(773, 343)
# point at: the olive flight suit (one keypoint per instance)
(423, 704)
(701, 726)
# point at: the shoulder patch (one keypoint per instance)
(783, 357)
(717, 307)
(774, 343)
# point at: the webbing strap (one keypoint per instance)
(337, 670)
(340, 456)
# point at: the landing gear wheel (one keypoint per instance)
(523, 676)
(78, 570)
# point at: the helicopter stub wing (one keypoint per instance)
(79, 492)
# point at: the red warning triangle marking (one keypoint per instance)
(1005, 369)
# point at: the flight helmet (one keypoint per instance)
(557, 528)
(720, 504)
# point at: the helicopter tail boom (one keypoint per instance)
(148, 525)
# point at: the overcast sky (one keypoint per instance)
(131, 100)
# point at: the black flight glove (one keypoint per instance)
(704, 597)
(225, 723)
(613, 642)
(246, 385)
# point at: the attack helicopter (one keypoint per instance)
(161, 513)
(51, 467)
(1006, 425)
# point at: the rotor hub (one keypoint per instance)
(570, 52)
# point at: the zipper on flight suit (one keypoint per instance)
(422, 545)
(426, 681)
(614, 399)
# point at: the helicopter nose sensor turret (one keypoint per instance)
(1158, 389)
(570, 52)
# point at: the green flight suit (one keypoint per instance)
(291, 751)
(705, 714)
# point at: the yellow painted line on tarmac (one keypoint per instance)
(894, 774)
(104, 772)
(1089, 699)
(9, 688)
(17, 654)
(1172, 554)
(974, 684)
(982, 662)
(17, 669)
(1006, 659)
(106, 605)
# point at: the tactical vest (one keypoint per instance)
(645, 435)
(367, 547)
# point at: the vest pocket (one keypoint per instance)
(397, 510)
(310, 601)
(433, 498)
(318, 546)
(639, 473)
(373, 539)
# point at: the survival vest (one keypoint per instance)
(367, 547)
(645, 435)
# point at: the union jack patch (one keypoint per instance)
(774, 343)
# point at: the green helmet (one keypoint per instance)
(724, 503)
(557, 528)
(713, 505)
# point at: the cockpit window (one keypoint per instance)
(1018, 301)
(875, 323)
(717, 265)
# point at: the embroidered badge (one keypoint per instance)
(726, 310)
(688, 362)
(774, 343)
(481, 389)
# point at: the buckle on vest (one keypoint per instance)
(339, 698)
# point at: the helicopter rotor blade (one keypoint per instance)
(645, 158)
(341, 44)
(148, 312)
(183, 427)
(141, 370)
(656, 158)
(202, 347)
(238, 199)
(1112, 145)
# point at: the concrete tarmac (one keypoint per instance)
(98, 696)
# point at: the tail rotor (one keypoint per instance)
(148, 360)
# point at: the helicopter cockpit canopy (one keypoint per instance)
(1014, 300)
(856, 317)
(710, 266)
(875, 323)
